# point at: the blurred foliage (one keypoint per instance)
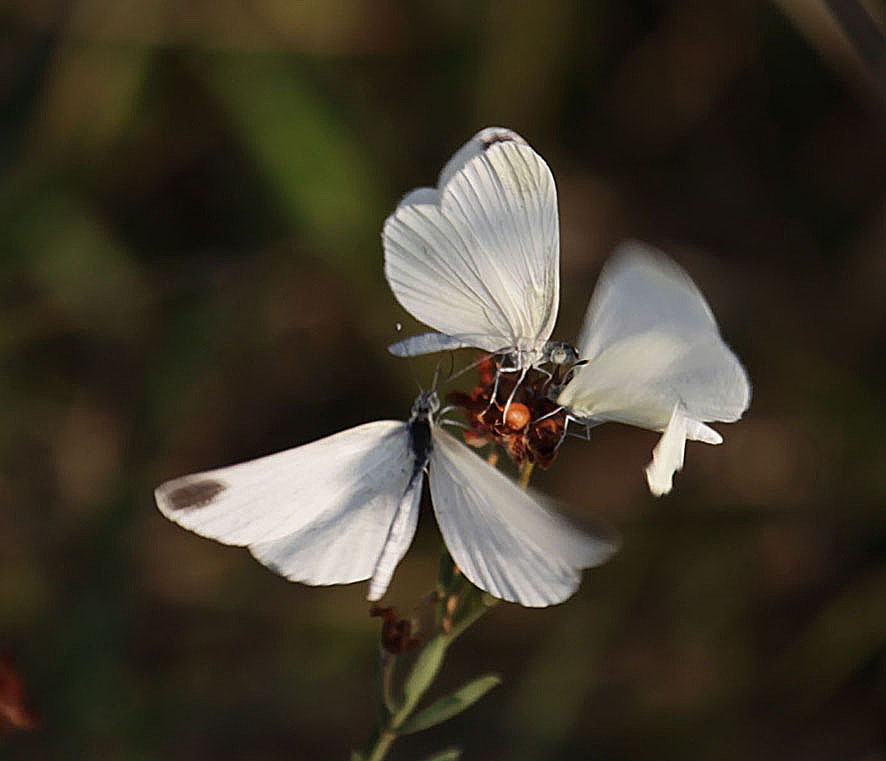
(190, 274)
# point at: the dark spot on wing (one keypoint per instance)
(197, 494)
(496, 137)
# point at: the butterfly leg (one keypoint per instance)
(563, 435)
(551, 414)
(471, 366)
(586, 424)
(549, 376)
(514, 391)
(494, 394)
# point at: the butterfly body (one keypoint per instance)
(477, 257)
(420, 440)
(652, 356)
(345, 508)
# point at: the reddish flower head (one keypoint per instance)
(530, 432)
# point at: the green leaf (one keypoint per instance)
(423, 673)
(450, 754)
(387, 703)
(313, 160)
(451, 705)
(472, 602)
(356, 756)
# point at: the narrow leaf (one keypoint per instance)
(451, 705)
(323, 181)
(423, 673)
(471, 603)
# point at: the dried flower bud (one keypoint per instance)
(396, 633)
(533, 428)
(518, 416)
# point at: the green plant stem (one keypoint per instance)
(458, 629)
(382, 746)
(389, 733)
(386, 685)
(526, 474)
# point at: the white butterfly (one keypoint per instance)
(655, 359)
(477, 258)
(345, 508)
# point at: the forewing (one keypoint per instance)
(481, 257)
(639, 290)
(359, 541)
(501, 537)
(359, 474)
(652, 343)
(478, 144)
(475, 146)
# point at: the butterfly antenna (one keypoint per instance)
(436, 375)
(451, 356)
(471, 366)
(415, 375)
(399, 327)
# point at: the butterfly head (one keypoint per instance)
(559, 353)
(425, 406)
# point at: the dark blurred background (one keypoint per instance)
(190, 274)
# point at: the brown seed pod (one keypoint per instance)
(518, 416)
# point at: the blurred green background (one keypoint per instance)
(190, 274)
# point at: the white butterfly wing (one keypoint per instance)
(479, 256)
(357, 476)
(349, 544)
(640, 380)
(475, 146)
(641, 289)
(653, 344)
(429, 343)
(500, 536)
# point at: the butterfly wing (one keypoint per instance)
(429, 343)
(652, 343)
(478, 256)
(349, 545)
(337, 510)
(501, 537)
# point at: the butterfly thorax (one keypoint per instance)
(538, 353)
(419, 424)
(516, 358)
